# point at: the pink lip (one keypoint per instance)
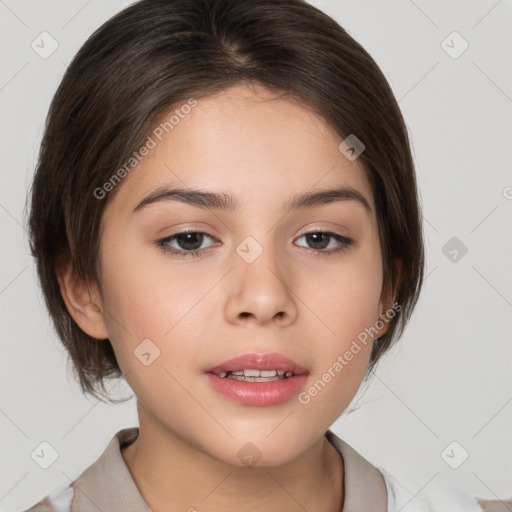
(259, 393)
(270, 361)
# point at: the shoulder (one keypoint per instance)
(92, 489)
(437, 497)
(59, 500)
(392, 493)
(496, 505)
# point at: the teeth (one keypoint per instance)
(253, 375)
(254, 379)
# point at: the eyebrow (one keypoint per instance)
(223, 201)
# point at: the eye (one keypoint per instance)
(321, 240)
(189, 243)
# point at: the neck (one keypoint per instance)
(169, 472)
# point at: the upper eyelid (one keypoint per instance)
(301, 233)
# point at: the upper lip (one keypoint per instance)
(269, 361)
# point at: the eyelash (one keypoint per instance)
(163, 244)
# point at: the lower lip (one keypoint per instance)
(257, 393)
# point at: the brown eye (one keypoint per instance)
(189, 241)
(186, 243)
(319, 241)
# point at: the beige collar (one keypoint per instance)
(365, 489)
(108, 485)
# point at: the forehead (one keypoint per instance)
(247, 142)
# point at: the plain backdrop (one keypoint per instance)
(449, 379)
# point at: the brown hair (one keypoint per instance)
(156, 54)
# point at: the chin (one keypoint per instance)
(260, 451)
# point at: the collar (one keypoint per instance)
(365, 488)
(108, 485)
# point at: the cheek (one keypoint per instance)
(343, 351)
(147, 301)
(347, 309)
(345, 296)
(155, 334)
(149, 293)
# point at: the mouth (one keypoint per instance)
(250, 375)
(258, 379)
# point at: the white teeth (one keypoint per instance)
(252, 373)
(254, 379)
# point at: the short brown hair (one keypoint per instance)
(157, 53)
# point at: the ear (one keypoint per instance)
(83, 304)
(387, 299)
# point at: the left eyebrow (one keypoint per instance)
(206, 200)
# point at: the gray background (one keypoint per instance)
(449, 378)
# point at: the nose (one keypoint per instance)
(261, 291)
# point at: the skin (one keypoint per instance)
(201, 311)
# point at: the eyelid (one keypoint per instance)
(315, 228)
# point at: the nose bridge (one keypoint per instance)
(261, 287)
(258, 259)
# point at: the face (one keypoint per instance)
(302, 282)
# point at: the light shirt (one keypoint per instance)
(107, 484)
